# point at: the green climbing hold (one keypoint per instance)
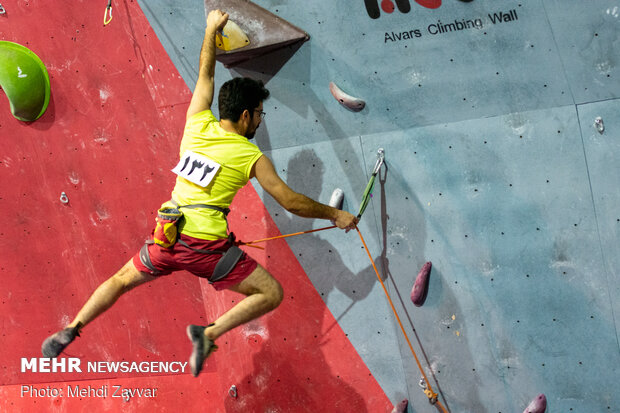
(24, 79)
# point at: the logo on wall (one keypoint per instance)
(404, 6)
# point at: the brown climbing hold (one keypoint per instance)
(420, 287)
(265, 31)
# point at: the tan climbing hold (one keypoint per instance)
(232, 37)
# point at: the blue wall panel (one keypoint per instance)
(180, 28)
(500, 68)
(587, 34)
(494, 173)
(509, 241)
(334, 260)
(603, 152)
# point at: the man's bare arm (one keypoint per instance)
(297, 203)
(203, 93)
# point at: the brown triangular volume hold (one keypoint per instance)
(265, 30)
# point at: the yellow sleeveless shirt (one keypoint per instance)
(234, 153)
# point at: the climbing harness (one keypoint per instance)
(166, 235)
(224, 211)
(224, 266)
(168, 218)
(108, 11)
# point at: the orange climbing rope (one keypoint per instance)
(432, 396)
(428, 390)
(249, 243)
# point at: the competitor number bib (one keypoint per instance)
(196, 168)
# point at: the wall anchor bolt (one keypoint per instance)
(599, 125)
(422, 383)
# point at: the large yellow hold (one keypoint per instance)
(232, 37)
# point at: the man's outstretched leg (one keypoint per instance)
(104, 296)
(264, 293)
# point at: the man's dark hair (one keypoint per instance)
(239, 94)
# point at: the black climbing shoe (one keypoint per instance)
(56, 343)
(202, 347)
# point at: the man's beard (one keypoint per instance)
(250, 135)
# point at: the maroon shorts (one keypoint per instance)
(177, 258)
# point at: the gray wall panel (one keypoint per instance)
(603, 154)
(493, 173)
(588, 39)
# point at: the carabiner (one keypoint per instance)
(2, 11)
(380, 159)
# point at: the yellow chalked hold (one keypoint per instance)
(453, 317)
(231, 37)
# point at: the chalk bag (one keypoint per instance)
(166, 230)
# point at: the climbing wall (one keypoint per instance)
(79, 188)
(494, 171)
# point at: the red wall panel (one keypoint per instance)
(108, 140)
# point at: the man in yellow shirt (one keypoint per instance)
(216, 160)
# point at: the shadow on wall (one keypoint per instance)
(329, 274)
(264, 68)
(46, 121)
(267, 65)
(303, 101)
(408, 256)
(295, 368)
(305, 174)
